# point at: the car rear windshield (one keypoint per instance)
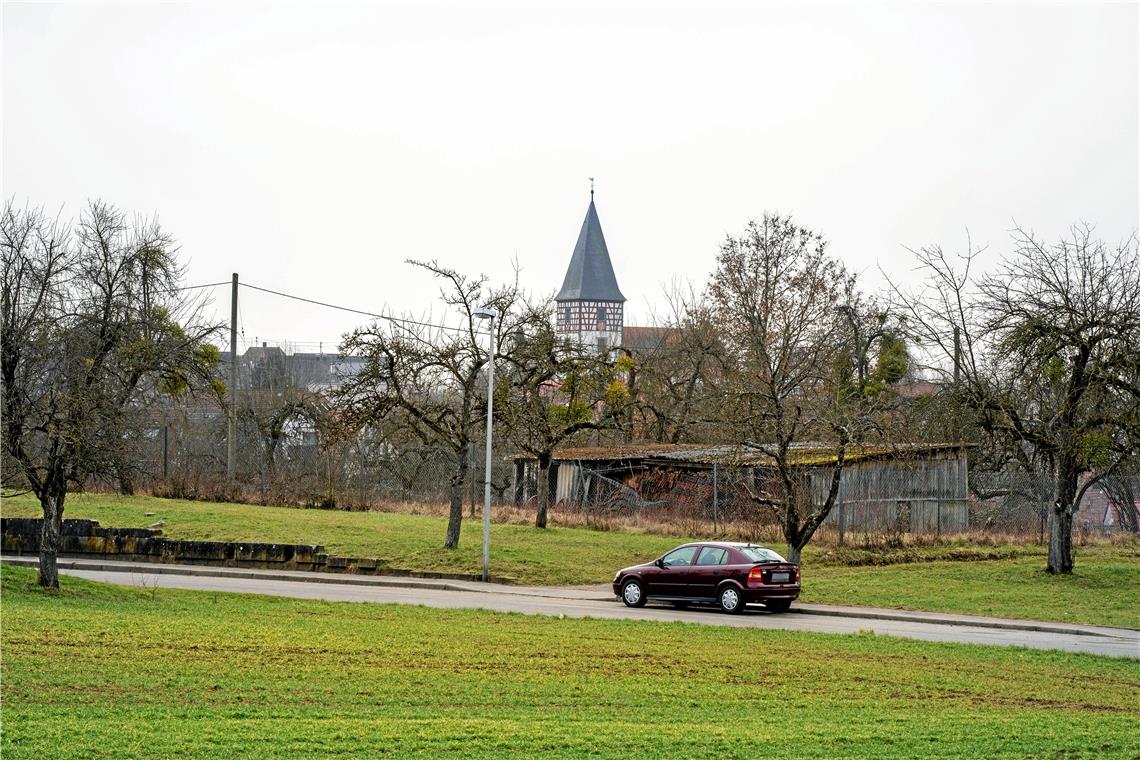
(760, 554)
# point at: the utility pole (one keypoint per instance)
(231, 429)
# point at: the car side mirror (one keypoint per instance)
(659, 562)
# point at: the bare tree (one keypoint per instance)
(678, 374)
(810, 362)
(1046, 352)
(555, 390)
(93, 327)
(431, 380)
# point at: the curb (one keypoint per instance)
(221, 572)
(936, 619)
(401, 581)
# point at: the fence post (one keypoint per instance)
(714, 499)
(938, 517)
(165, 451)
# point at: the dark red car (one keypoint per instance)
(730, 575)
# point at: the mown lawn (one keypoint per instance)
(1005, 581)
(105, 671)
(1104, 590)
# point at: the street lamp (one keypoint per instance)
(489, 314)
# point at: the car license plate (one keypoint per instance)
(780, 577)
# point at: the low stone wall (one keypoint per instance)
(86, 539)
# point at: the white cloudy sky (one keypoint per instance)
(313, 148)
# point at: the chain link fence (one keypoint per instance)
(189, 461)
(184, 457)
(883, 499)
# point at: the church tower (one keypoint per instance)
(589, 305)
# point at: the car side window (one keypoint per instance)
(713, 555)
(679, 557)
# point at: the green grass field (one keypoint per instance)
(1006, 581)
(103, 671)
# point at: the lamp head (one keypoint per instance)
(485, 312)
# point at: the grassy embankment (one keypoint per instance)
(1006, 580)
(105, 671)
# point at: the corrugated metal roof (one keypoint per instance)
(590, 276)
(805, 454)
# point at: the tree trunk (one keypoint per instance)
(455, 518)
(48, 576)
(1061, 520)
(793, 554)
(543, 489)
(1060, 540)
(126, 482)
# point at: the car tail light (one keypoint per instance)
(756, 576)
(797, 573)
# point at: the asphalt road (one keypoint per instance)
(597, 602)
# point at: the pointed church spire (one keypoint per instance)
(590, 276)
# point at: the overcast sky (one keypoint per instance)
(312, 148)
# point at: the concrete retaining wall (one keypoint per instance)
(86, 539)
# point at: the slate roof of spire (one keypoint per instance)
(590, 276)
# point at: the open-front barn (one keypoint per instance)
(921, 488)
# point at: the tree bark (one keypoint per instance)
(52, 506)
(455, 518)
(1060, 540)
(543, 490)
(1061, 520)
(793, 554)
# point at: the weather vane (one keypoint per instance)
(591, 188)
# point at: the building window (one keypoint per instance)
(601, 318)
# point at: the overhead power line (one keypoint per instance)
(351, 310)
(77, 299)
(194, 287)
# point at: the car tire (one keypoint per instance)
(777, 606)
(633, 593)
(730, 600)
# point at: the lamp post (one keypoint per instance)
(489, 314)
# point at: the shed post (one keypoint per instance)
(520, 479)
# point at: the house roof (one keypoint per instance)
(590, 276)
(638, 338)
(803, 455)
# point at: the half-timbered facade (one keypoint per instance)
(589, 305)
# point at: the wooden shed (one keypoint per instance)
(922, 488)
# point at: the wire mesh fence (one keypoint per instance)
(877, 499)
(185, 457)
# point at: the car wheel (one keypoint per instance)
(632, 594)
(730, 599)
(778, 605)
